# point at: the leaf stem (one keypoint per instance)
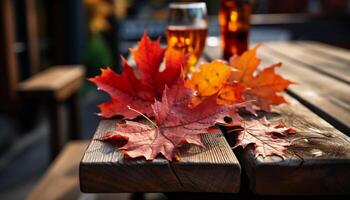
(148, 119)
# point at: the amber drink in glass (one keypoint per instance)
(187, 30)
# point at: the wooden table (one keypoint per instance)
(318, 163)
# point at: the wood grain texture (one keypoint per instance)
(325, 95)
(59, 81)
(212, 169)
(312, 59)
(317, 163)
(61, 180)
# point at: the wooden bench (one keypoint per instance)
(318, 162)
(56, 85)
(61, 181)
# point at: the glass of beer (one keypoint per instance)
(234, 21)
(187, 30)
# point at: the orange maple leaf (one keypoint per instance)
(262, 87)
(212, 79)
(245, 65)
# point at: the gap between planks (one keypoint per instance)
(317, 162)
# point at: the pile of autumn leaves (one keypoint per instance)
(185, 107)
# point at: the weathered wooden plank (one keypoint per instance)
(212, 169)
(307, 58)
(61, 180)
(317, 163)
(326, 96)
(333, 52)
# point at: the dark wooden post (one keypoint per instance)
(8, 63)
(32, 37)
(74, 118)
(56, 115)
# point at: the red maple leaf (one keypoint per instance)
(264, 137)
(125, 90)
(175, 123)
(139, 92)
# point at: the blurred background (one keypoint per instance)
(38, 34)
